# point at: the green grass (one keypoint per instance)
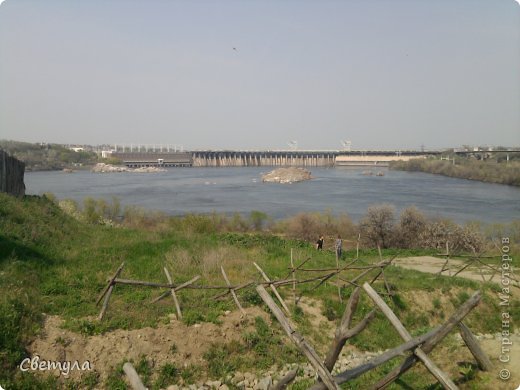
(52, 263)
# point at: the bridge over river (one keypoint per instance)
(244, 158)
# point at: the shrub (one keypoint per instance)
(459, 238)
(303, 226)
(237, 223)
(377, 225)
(467, 239)
(90, 212)
(309, 226)
(257, 219)
(137, 217)
(411, 225)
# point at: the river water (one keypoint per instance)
(341, 190)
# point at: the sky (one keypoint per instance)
(400, 74)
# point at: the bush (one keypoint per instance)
(257, 220)
(376, 228)
(459, 238)
(411, 225)
(436, 234)
(467, 239)
(303, 226)
(137, 217)
(309, 226)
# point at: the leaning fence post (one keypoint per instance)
(296, 338)
(235, 298)
(133, 377)
(406, 336)
(430, 344)
(344, 332)
(273, 288)
(471, 342)
(174, 296)
(293, 272)
(107, 292)
(110, 283)
(179, 287)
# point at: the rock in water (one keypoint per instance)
(287, 175)
(149, 170)
(107, 168)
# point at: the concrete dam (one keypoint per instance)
(238, 158)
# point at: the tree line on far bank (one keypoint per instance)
(51, 157)
(497, 170)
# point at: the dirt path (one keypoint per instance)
(434, 265)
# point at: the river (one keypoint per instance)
(340, 190)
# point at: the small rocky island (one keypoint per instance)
(107, 168)
(287, 175)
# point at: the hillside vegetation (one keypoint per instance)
(56, 263)
(45, 157)
(491, 171)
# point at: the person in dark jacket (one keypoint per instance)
(319, 243)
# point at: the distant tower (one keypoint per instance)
(347, 145)
(293, 145)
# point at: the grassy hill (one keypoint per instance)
(53, 263)
(44, 157)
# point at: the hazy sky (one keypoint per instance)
(383, 74)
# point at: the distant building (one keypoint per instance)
(106, 153)
(77, 149)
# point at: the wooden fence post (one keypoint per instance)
(108, 291)
(406, 336)
(471, 342)
(110, 283)
(300, 342)
(344, 332)
(174, 296)
(232, 291)
(273, 288)
(133, 377)
(430, 344)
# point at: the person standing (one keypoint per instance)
(338, 245)
(319, 243)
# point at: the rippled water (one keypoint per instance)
(340, 189)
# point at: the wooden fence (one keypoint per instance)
(416, 348)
